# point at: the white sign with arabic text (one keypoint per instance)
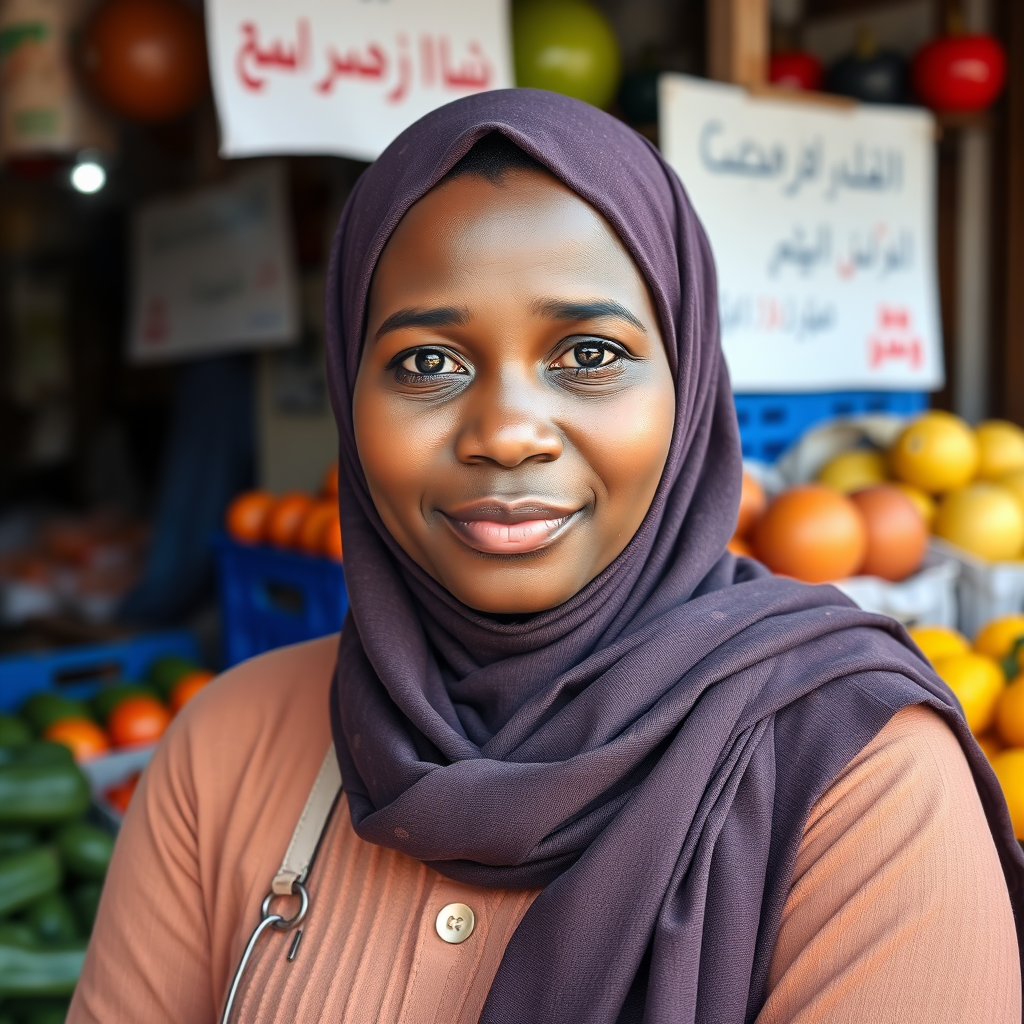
(345, 77)
(822, 222)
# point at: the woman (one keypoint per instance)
(622, 775)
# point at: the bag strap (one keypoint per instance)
(312, 822)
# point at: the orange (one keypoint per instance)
(998, 638)
(977, 682)
(1010, 714)
(738, 546)
(84, 738)
(317, 519)
(983, 519)
(1000, 449)
(138, 720)
(936, 452)
(286, 517)
(990, 746)
(897, 535)
(1014, 483)
(187, 687)
(813, 533)
(924, 503)
(752, 505)
(939, 641)
(1009, 769)
(247, 515)
(854, 470)
(332, 537)
(329, 488)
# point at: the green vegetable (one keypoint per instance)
(41, 794)
(110, 696)
(14, 840)
(37, 1011)
(43, 709)
(85, 850)
(18, 933)
(14, 732)
(85, 898)
(44, 971)
(52, 918)
(38, 752)
(166, 671)
(24, 877)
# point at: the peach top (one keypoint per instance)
(898, 909)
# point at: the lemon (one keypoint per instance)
(924, 503)
(1014, 483)
(1009, 769)
(937, 452)
(1010, 714)
(939, 641)
(984, 519)
(854, 470)
(977, 682)
(998, 637)
(1000, 449)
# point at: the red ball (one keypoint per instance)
(146, 59)
(795, 70)
(959, 73)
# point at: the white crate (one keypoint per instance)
(986, 590)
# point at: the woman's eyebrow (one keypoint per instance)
(596, 309)
(439, 316)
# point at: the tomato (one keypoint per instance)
(247, 516)
(138, 720)
(120, 796)
(187, 687)
(311, 533)
(286, 518)
(83, 737)
(959, 72)
(795, 70)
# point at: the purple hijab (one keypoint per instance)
(649, 751)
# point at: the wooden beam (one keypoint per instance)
(738, 41)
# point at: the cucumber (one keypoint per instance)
(24, 877)
(41, 794)
(84, 850)
(37, 752)
(110, 696)
(52, 919)
(45, 971)
(45, 708)
(14, 840)
(166, 671)
(85, 898)
(14, 732)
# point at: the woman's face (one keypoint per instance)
(514, 404)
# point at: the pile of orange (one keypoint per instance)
(295, 521)
(988, 680)
(967, 483)
(816, 533)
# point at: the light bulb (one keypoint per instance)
(88, 177)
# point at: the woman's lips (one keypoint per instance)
(508, 529)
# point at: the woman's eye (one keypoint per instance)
(587, 355)
(428, 362)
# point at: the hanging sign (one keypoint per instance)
(214, 271)
(347, 76)
(822, 223)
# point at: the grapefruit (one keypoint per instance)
(984, 519)
(977, 682)
(1000, 449)
(854, 470)
(897, 535)
(936, 452)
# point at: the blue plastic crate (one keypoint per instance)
(270, 598)
(769, 424)
(80, 671)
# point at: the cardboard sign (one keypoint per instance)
(822, 222)
(214, 271)
(346, 76)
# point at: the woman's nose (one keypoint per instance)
(507, 425)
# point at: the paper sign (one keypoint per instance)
(822, 222)
(347, 76)
(214, 271)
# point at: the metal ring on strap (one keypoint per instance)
(285, 924)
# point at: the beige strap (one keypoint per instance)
(311, 826)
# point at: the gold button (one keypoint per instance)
(455, 922)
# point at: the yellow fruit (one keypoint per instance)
(984, 519)
(937, 452)
(1014, 483)
(939, 641)
(1000, 449)
(924, 503)
(977, 682)
(997, 638)
(854, 470)
(1010, 714)
(990, 746)
(1009, 769)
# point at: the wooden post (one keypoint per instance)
(738, 41)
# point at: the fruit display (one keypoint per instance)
(52, 866)
(294, 521)
(988, 681)
(869, 74)
(959, 72)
